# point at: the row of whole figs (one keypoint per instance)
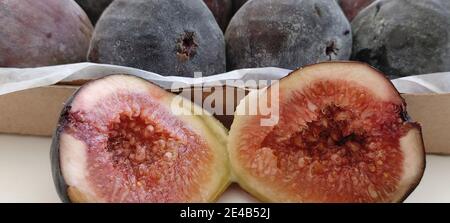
(179, 37)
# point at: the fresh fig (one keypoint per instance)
(171, 38)
(123, 139)
(287, 34)
(94, 8)
(404, 37)
(43, 33)
(343, 135)
(221, 10)
(351, 8)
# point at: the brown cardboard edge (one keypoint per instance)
(432, 112)
(34, 111)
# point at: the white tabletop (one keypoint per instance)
(25, 175)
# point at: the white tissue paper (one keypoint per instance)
(15, 79)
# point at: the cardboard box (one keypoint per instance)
(36, 112)
(432, 111)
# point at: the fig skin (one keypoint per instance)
(214, 131)
(287, 34)
(221, 10)
(94, 8)
(237, 4)
(412, 144)
(404, 37)
(171, 38)
(43, 33)
(351, 8)
(58, 179)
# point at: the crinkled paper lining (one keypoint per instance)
(14, 79)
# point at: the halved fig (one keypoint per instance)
(123, 139)
(343, 135)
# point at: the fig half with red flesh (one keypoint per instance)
(343, 135)
(122, 139)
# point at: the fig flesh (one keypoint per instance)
(121, 139)
(343, 135)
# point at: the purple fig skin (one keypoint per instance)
(221, 10)
(43, 33)
(58, 179)
(94, 8)
(237, 4)
(287, 34)
(404, 37)
(351, 8)
(171, 38)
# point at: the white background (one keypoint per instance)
(25, 175)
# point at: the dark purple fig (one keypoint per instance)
(287, 34)
(171, 38)
(404, 37)
(42, 33)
